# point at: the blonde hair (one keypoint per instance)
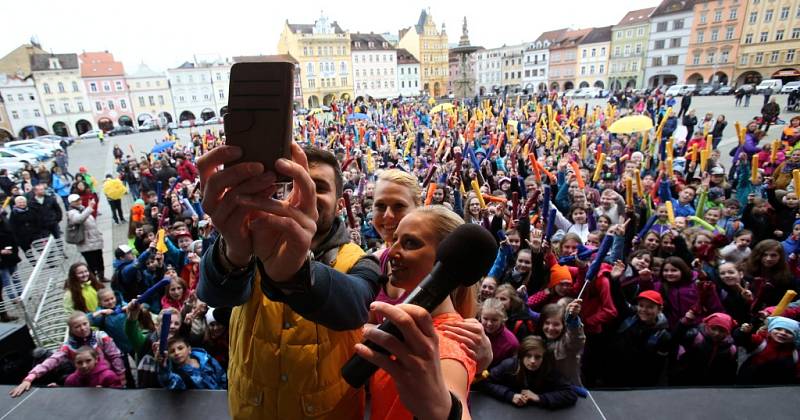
(493, 305)
(75, 316)
(444, 221)
(405, 179)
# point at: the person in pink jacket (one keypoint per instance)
(91, 371)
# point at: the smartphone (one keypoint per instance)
(259, 118)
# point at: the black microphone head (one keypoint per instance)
(467, 253)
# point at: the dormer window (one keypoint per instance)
(358, 44)
(55, 64)
(385, 45)
(371, 44)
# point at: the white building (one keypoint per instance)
(22, 106)
(193, 91)
(489, 70)
(407, 74)
(374, 66)
(593, 53)
(670, 26)
(150, 96)
(64, 102)
(220, 80)
(535, 59)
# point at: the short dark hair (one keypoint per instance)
(177, 338)
(318, 156)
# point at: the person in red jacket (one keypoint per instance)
(186, 169)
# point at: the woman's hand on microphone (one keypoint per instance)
(415, 365)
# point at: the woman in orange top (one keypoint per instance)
(792, 131)
(425, 369)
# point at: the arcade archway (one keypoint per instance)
(186, 116)
(60, 129)
(105, 124)
(83, 126)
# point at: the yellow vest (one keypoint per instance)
(285, 367)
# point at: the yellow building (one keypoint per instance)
(429, 46)
(769, 42)
(150, 96)
(322, 50)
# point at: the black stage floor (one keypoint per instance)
(682, 404)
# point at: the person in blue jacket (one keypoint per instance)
(188, 368)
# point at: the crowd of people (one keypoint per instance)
(626, 258)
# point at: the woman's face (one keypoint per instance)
(82, 273)
(670, 273)
(488, 287)
(392, 203)
(175, 291)
(413, 251)
(579, 216)
(514, 241)
(523, 262)
(770, 258)
(553, 327)
(569, 247)
(533, 359)
(474, 207)
(729, 275)
(492, 321)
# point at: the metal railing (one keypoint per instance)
(41, 303)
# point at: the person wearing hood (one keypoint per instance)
(92, 246)
(641, 345)
(772, 352)
(707, 355)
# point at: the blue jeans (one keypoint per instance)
(7, 277)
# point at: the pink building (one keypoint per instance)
(106, 89)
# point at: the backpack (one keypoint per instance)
(76, 234)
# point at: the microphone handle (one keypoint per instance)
(358, 370)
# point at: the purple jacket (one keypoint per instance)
(504, 345)
(680, 297)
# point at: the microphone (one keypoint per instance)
(462, 258)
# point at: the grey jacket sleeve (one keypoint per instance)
(220, 290)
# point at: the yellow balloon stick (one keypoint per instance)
(583, 147)
(629, 192)
(670, 212)
(709, 143)
(670, 150)
(788, 297)
(773, 153)
(669, 167)
(599, 167)
(754, 170)
(644, 141)
(477, 189)
(703, 160)
(639, 187)
(739, 132)
(796, 179)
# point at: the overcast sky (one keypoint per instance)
(165, 33)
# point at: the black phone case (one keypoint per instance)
(259, 118)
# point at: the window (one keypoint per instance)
(768, 16)
(616, 51)
(111, 105)
(675, 43)
(123, 104)
(37, 114)
(789, 56)
(66, 108)
(603, 52)
(61, 87)
(743, 59)
(93, 87)
(696, 59)
(753, 17)
(591, 69)
(619, 34)
(723, 57)
(764, 36)
(46, 88)
(748, 39)
(627, 50)
(729, 32)
(107, 86)
(773, 57)
(759, 58)
(52, 108)
(141, 101)
(151, 100)
(657, 61)
(733, 13)
(638, 48)
(661, 26)
(677, 24)
(718, 16)
(20, 97)
(703, 19)
(700, 37)
(601, 69)
(659, 44)
(594, 52)
(795, 33)
(344, 81)
(629, 33)
(181, 99)
(161, 99)
(98, 106)
(80, 108)
(583, 55)
(672, 60)
(75, 87)
(714, 34)
(779, 35)
(710, 58)
(640, 32)
(14, 115)
(785, 13)
(118, 85)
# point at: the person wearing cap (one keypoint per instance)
(773, 352)
(92, 246)
(559, 285)
(123, 257)
(640, 347)
(707, 355)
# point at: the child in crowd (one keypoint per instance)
(529, 379)
(738, 250)
(773, 355)
(562, 331)
(706, 353)
(493, 318)
(188, 368)
(177, 293)
(91, 371)
(519, 321)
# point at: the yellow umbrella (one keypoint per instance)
(631, 124)
(315, 111)
(442, 107)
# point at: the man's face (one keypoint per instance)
(686, 195)
(327, 204)
(39, 190)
